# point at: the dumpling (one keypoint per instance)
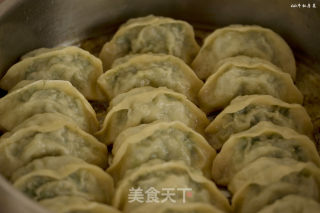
(242, 75)
(67, 204)
(150, 70)
(170, 175)
(51, 177)
(167, 141)
(253, 197)
(47, 96)
(246, 111)
(151, 34)
(48, 134)
(264, 171)
(69, 63)
(263, 140)
(251, 41)
(146, 105)
(177, 208)
(293, 204)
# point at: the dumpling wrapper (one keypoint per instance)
(174, 175)
(253, 197)
(251, 41)
(263, 140)
(145, 105)
(46, 96)
(51, 177)
(151, 34)
(48, 134)
(293, 204)
(39, 51)
(150, 70)
(71, 64)
(245, 112)
(177, 208)
(69, 204)
(167, 141)
(242, 75)
(264, 171)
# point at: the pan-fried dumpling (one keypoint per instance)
(264, 171)
(147, 104)
(253, 197)
(246, 111)
(150, 70)
(174, 175)
(177, 208)
(47, 96)
(151, 34)
(293, 204)
(163, 140)
(51, 177)
(251, 41)
(67, 204)
(48, 134)
(263, 140)
(242, 75)
(69, 63)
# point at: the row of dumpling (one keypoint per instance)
(245, 60)
(161, 162)
(157, 147)
(266, 160)
(47, 151)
